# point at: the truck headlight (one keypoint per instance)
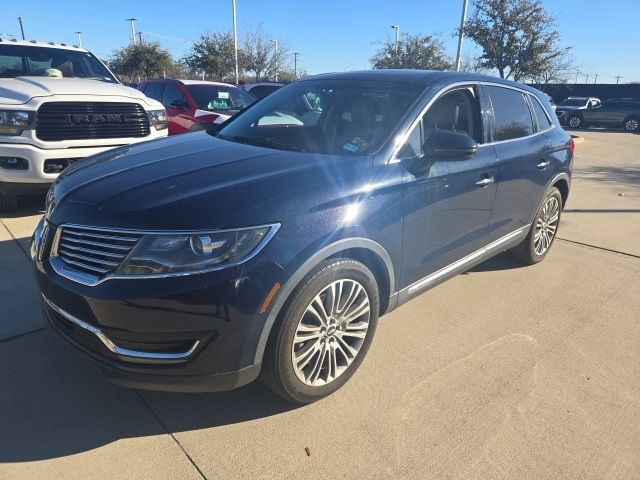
(13, 122)
(158, 118)
(188, 252)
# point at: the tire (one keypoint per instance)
(334, 338)
(8, 202)
(632, 125)
(575, 121)
(536, 245)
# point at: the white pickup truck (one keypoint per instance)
(59, 104)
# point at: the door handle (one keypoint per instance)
(485, 181)
(542, 164)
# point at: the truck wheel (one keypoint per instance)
(323, 332)
(543, 231)
(8, 202)
(575, 121)
(632, 125)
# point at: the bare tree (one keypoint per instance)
(559, 70)
(260, 56)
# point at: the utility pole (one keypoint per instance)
(618, 77)
(397, 29)
(465, 4)
(295, 65)
(139, 37)
(79, 38)
(133, 21)
(586, 80)
(21, 27)
(577, 73)
(596, 80)
(276, 58)
(235, 39)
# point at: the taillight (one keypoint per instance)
(572, 146)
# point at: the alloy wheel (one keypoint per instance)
(546, 225)
(331, 332)
(575, 122)
(631, 125)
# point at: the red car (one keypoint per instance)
(193, 104)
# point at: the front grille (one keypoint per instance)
(57, 165)
(56, 121)
(94, 251)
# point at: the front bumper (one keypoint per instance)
(190, 333)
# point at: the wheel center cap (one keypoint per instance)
(331, 329)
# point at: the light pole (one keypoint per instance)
(295, 65)
(235, 39)
(79, 38)
(276, 58)
(21, 27)
(133, 21)
(397, 29)
(465, 4)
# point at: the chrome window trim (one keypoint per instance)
(89, 280)
(433, 277)
(402, 138)
(123, 352)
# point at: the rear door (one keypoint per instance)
(447, 209)
(180, 119)
(524, 166)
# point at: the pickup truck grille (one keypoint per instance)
(57, 121)
(94, 251)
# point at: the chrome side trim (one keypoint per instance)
(430, 279)
(123, 352)
(91, 281)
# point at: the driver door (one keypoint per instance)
(177, 109)
(448, 207)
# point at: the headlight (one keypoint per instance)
(13, 122)
(168, 253)
(158, 118)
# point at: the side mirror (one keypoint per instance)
(447, 145)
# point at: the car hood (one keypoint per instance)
(19, 90)
(190, 181)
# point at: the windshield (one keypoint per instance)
(574, 102)
(341, 117)
(214, 97)
(22, 60)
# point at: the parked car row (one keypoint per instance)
(581, 112)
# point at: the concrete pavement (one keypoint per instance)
(503, 372)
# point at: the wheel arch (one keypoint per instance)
(367, 251)
(562, 184)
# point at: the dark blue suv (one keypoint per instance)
(270, 246)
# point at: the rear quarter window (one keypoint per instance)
(512, 117)
(542, 117)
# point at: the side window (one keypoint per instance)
(154, 90)
(512, 117)
(458, 111)
(172, 96)
(541, 115)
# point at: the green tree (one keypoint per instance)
(518, 37)
(142, 60)
(413, 51)
(213, 55)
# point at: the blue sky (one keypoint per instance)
(330, 35)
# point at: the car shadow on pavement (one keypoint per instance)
(52, 404)
(500, 262)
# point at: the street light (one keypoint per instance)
(465, 4)
(235, 39)
(397, 29)
(79, 38)
(133, 20)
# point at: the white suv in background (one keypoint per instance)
(59, 104)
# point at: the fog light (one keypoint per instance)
(14, 163)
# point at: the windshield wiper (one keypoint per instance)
(263, 142)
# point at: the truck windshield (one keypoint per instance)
(214, 97)
(26, 60)
(574, 102)
(339, 117)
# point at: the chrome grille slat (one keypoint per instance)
(94, 251)
(66, 253)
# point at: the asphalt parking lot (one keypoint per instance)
(503, 372)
